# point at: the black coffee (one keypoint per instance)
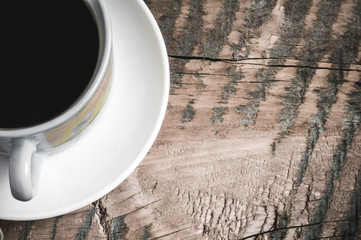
(49, 56)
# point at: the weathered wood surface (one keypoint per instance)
(261, 139)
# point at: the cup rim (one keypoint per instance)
(104, 59)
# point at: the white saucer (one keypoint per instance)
(120, 136)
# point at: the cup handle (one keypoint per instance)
(21, 156)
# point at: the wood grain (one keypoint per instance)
(261, 139)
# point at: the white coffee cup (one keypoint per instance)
(25, 145)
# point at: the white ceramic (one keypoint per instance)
(121, 135)
(28, 146)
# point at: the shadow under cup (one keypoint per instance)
(60, 78)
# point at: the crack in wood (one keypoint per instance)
(101, 213)
(294, 227)
(265, 76)
(131, 196)
(133, 211)
(171, 233)
(321, 32)
(262, 228)
(294, 58)
(184, 44)
(314, 65)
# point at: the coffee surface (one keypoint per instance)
(50, 51)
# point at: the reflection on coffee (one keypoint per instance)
(50, 52)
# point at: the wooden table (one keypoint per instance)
(261, 139)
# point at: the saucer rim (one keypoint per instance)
(165, 75)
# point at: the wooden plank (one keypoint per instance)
(261, 139)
